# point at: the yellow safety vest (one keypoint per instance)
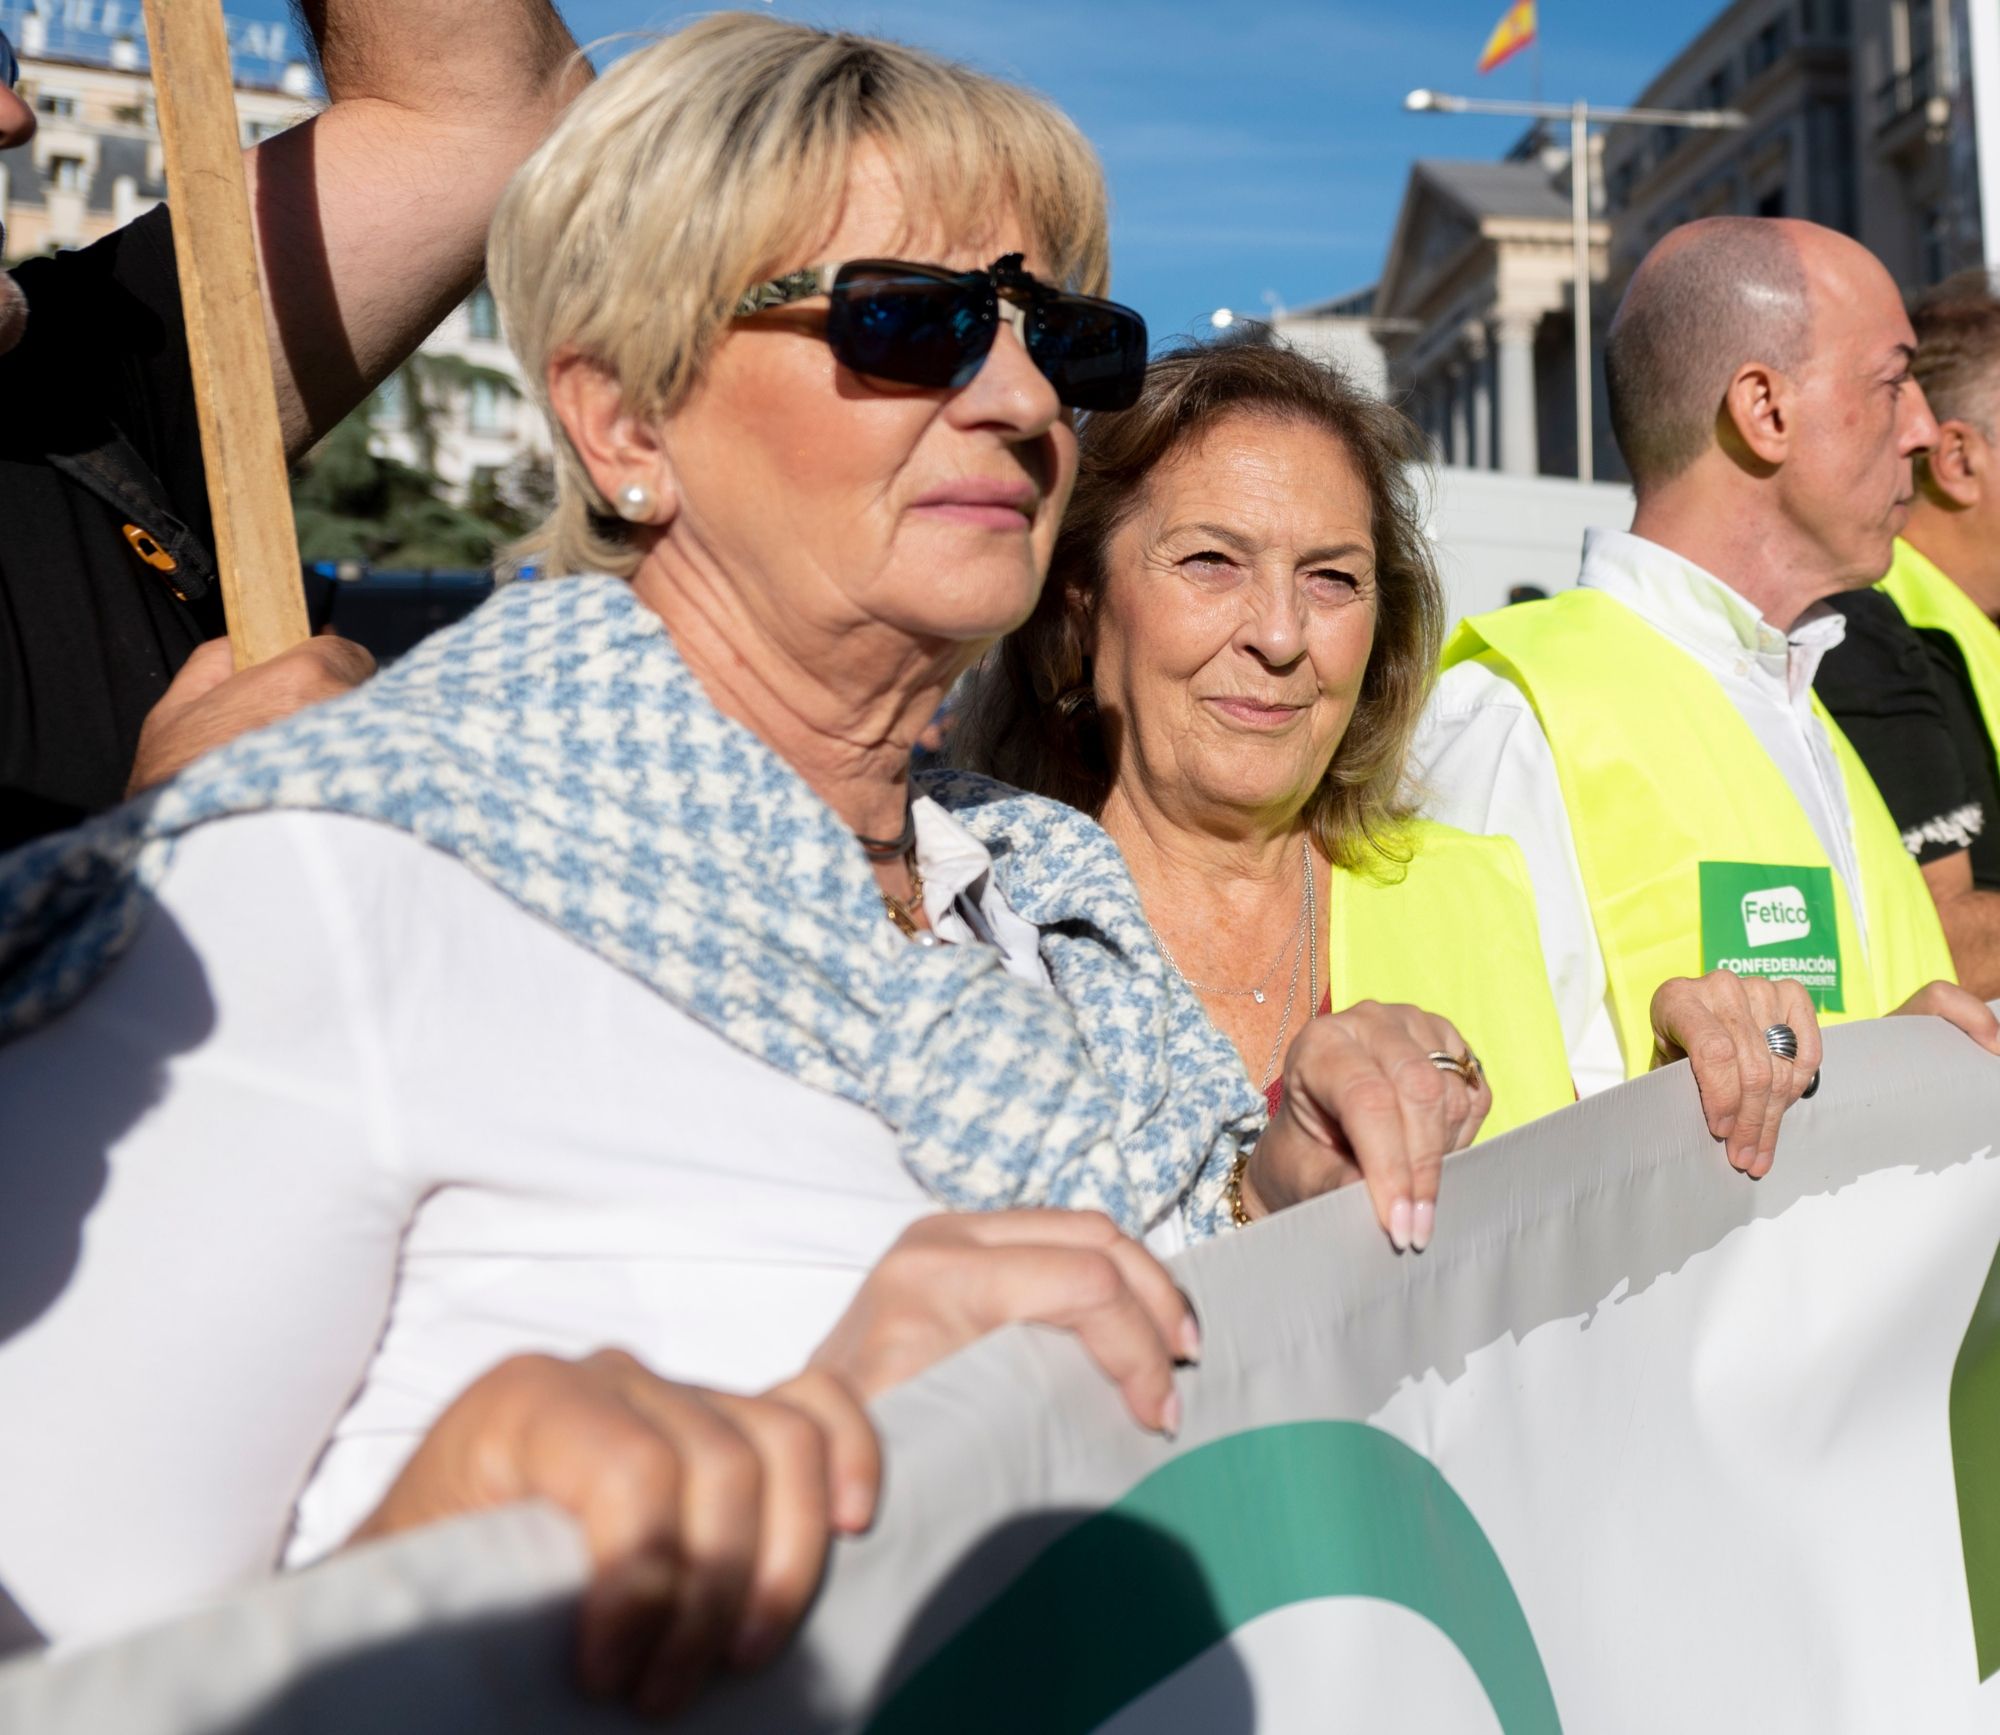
(1453, 929)
(1928, 598)
(1668, 791)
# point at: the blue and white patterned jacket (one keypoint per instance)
(556, 745)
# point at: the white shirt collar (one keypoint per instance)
(965, 907)
(1702, 614)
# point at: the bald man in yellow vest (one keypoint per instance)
(1650, 737)
(1916, 685)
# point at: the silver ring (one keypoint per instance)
(1466, 1065)
(1783, 1041)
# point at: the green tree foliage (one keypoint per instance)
(353, 504)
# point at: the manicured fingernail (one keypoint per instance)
(1399, 1225)
(1170, 1416)
(1188, 1339)
(1422, 1221)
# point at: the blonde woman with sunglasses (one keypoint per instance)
(598, 975)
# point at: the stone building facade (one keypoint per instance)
(1859, 117)
(1476, 311)
(1916, 176)
(1787, 65)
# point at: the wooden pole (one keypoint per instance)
(222, 300)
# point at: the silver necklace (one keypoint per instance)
(1302, 951)
(1255, 992)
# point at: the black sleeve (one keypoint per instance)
(105, 340)
(1880, 685)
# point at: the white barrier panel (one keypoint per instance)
(1638, 1445)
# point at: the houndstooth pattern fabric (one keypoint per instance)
(556, 744)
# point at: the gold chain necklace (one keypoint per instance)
(904, 911)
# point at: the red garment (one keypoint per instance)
(1274, 1092)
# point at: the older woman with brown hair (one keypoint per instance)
(1241, 627)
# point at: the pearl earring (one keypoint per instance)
(637, 503)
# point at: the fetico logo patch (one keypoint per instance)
(1772, 920)
(1772, 917)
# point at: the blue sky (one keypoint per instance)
(1251, 148)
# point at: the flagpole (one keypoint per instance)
(1538, 52)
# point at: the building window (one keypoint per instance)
(1715, 93)
(58, 104)
(1920, 27)
(489, 403)
(1920, 35)
(1772, 204)
(1768, 46)
(66, 174)
(485, 315)
(1935, 244)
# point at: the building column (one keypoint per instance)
(1459, 449)
(1480, 362)
(1519, 418)
(1423, 408)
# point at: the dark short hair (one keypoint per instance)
(1958, 349)
(1029, 718)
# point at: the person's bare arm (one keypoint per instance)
(1971, 922)
(372, 217)
(208, 704)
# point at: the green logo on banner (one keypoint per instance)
(1207, 1544)
(1975, 1427)
(1763, 920)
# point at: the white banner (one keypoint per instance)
(1637, 1445)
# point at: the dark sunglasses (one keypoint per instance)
(10, 68)
(920, 325)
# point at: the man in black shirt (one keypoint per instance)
(371, 221)
(1917, 686)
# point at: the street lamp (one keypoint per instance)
(1579, 115)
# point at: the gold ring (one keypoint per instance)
(1466, 1065)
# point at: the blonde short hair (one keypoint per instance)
(716, 158)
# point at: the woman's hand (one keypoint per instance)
(1718, 1022)
(707, 1516)
(1957, 1006)
(952, 1279)
(1365, 1102)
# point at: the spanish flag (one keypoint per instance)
(1512, 34)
